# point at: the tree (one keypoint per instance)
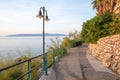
(117, 7)
(101, 25)
(103, 6)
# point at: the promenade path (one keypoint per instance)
(78, 64)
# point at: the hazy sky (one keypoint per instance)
(19, 16)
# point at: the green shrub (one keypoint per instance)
(65, 43)
(74, 39)
(15, 72)
(10, 74)
(100, 26)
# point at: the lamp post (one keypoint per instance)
(43, 14)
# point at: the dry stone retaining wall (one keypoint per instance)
(107, 50)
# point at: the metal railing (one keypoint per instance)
(55, 57)
(29, 67)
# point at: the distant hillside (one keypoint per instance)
(47, 34)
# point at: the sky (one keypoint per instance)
(19, 16)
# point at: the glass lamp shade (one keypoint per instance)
(47, 19)
(40, 14)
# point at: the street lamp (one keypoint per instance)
(43, 14)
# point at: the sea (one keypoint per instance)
(24, 46)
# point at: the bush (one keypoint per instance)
(10, 74)
(65, 43)
(74, 39)
(100, 26)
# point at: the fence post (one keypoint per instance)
(61, 52)
(58, 54)
(43, 62)
(29, 69)
(46, 65)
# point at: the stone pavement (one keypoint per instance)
(78, 64)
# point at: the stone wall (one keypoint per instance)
(107, 50)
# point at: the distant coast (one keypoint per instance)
(46, 34)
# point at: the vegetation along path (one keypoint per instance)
(78, 64)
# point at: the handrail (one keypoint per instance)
(5, 68)
(42, 71)
(27, 73)
(29, 67)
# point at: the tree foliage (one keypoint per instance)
(100, 26)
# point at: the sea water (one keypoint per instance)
(18, 46)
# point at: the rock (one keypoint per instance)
(118, 71)
(113, 66)
(106, 63)
(94, 55)
(108, 56)
(118, 66)
(118, 53)
(117, 57)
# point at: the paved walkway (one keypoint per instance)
(79, 65)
